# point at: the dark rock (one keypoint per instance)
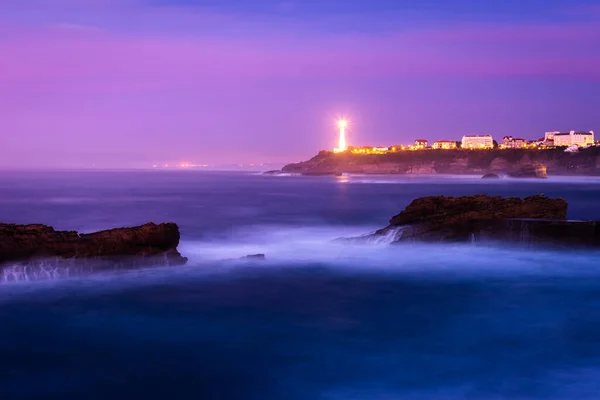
(558, 234)
(254, 257)
(442, 210)
(441, 218)
(151, 242)
(322, 173)
(530, 171)
(490, 176)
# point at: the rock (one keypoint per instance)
(440, 218)
(254, 257)
(557, 234)
(525, 160)
(322, 173)
(499, 164)
(490, 176)
(151, 243)
(530, 171)
(444, 210)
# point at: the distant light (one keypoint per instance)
(342, 124)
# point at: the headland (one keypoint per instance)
(524, 162)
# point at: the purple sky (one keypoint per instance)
(124, 83)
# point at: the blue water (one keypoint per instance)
(317, 320)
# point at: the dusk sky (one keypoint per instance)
(131, 83)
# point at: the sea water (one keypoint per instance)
(320, 318)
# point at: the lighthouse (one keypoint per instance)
(342, 124)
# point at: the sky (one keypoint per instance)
(133, 83)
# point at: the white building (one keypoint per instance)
(580, 139)
(477, 142)
(444, 144)
(509, 142)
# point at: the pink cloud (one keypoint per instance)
(81, 59)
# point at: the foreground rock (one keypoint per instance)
(536, 219)
(146, 244)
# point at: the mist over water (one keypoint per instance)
(319, 319)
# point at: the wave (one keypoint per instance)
(298, 247)
(288, 246)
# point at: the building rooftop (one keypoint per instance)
(574, 133)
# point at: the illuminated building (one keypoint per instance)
(509, 142)
(444, 144)
(370, 150)
(380, 150)
(549, 138)
(420, 144)
(478, 142)
(580, 139)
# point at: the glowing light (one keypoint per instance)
(342, 124)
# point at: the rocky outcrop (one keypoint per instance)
(456, 219)
(538, 171)
(149, 243)
(442, 210)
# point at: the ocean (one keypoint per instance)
(319, 319)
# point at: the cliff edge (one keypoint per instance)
(513, 162)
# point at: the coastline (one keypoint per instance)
(516, 162)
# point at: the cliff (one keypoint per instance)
(534, 220)
(149, 243)
(477, 162)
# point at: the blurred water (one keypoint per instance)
(319, 319)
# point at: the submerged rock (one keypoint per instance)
(322, 173)
(557, 234)
(254, 257)
(150, 243)
(490, 176)
(274, 172)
